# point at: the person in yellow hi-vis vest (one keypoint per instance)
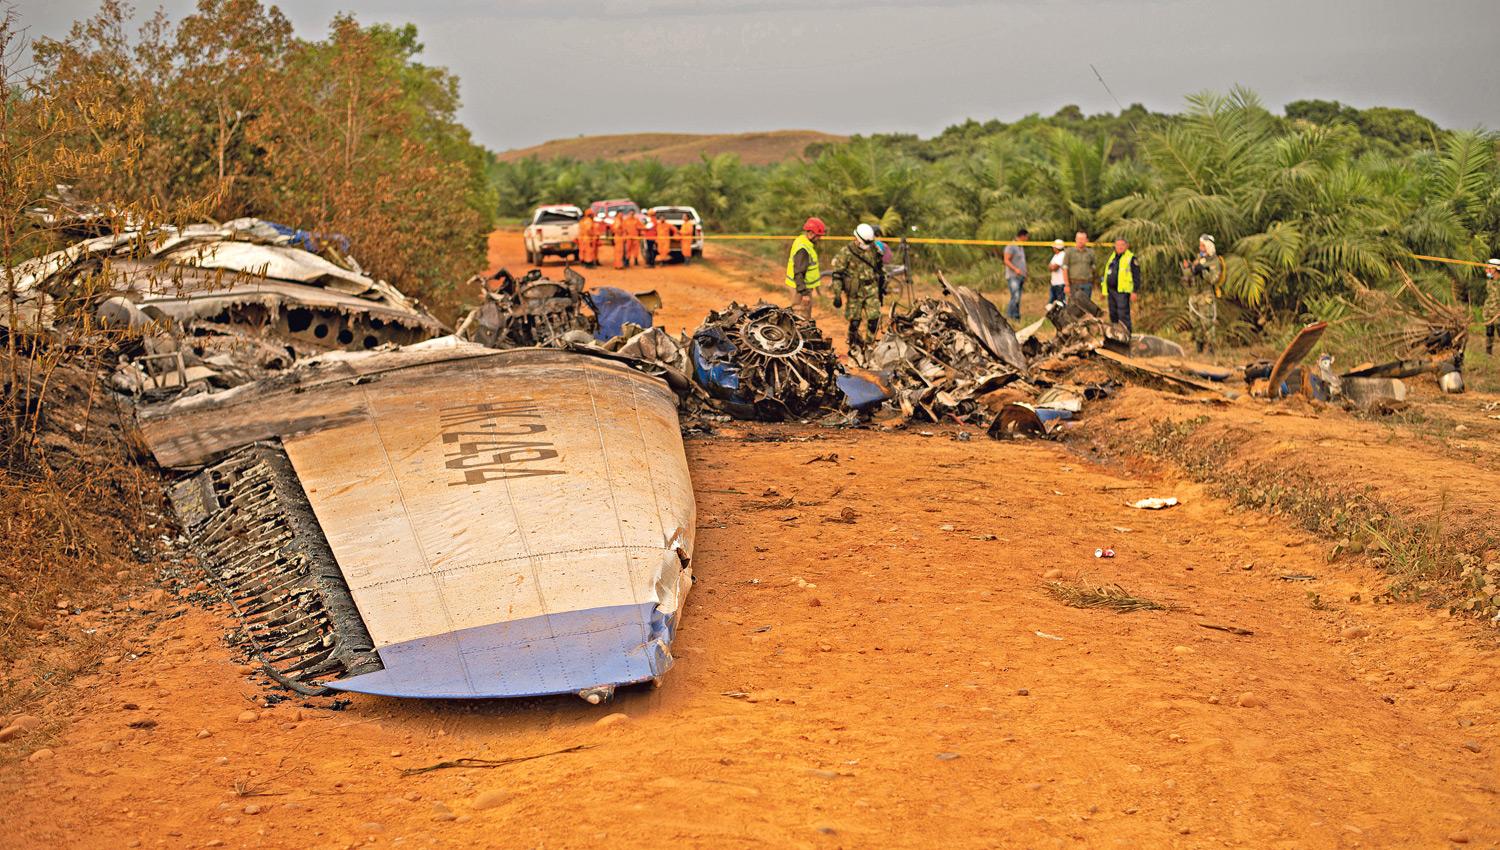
(1118, 282)
(802, 272)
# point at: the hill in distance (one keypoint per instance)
(678, 148)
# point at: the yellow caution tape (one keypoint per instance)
(998, 243)
(1446, 260)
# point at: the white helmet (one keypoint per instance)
(864, 233)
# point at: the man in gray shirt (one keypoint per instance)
(1015, 272)
(1080, 261)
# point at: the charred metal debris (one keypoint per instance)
(943, 359)
(256, 536)
(531, 310)
(211, 306)
(760, 362)
(765, 362)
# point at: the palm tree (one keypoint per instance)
(718, 187)
(1294, 214)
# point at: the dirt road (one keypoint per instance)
(873, 663)
(688, 291)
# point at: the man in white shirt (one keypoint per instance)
(1058, 265)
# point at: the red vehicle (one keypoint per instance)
(610, 209)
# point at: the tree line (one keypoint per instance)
(226, 113)
(1304, 205)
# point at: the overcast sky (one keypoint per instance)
(534, 70)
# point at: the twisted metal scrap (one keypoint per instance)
(938, 367)
(529, 311)
(786, 368)
(257, 537)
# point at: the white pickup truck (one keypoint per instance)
(683, 217)
(553, 231)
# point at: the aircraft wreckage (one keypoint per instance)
(505, 511)
(443, 520)
(387, 509)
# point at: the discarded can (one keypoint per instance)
(1104, 553)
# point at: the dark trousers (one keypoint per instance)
(858, 340)
(1119, 309)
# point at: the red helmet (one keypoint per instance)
(815, 226)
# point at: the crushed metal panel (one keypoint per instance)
(987, 325)
(1295, 350)
(519, 526)
(190, 432)
(274, 261)
(1137, 370)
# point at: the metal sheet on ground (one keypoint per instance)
(518, 527)
(1141, 369)
(194, 431)
(1297, 349)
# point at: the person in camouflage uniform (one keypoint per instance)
(1204, 275)
(1490, 313)
(859, 286)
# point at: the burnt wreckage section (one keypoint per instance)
(208, 307)
(757, 362)
(765, 362)
(529, 310)
(255, 533)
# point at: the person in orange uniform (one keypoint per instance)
(648, 237)
(686, 231)
(586, 247)
(664, 234)
(598, 235)
(627, 239)
(642, 236)
(616, 238)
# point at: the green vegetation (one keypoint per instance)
(225, 113)
(1304, 205)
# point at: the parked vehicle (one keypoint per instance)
(610, 209)
(680, 217)
(553, 231)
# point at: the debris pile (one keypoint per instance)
(211, 306)
(765, 362)
(650, 350)
(956, 358)
(529, 311)
(939, 368)
(535, 310)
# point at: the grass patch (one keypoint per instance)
(1083, 594)
(1423, 557)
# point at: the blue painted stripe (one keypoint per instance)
(557, 653)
